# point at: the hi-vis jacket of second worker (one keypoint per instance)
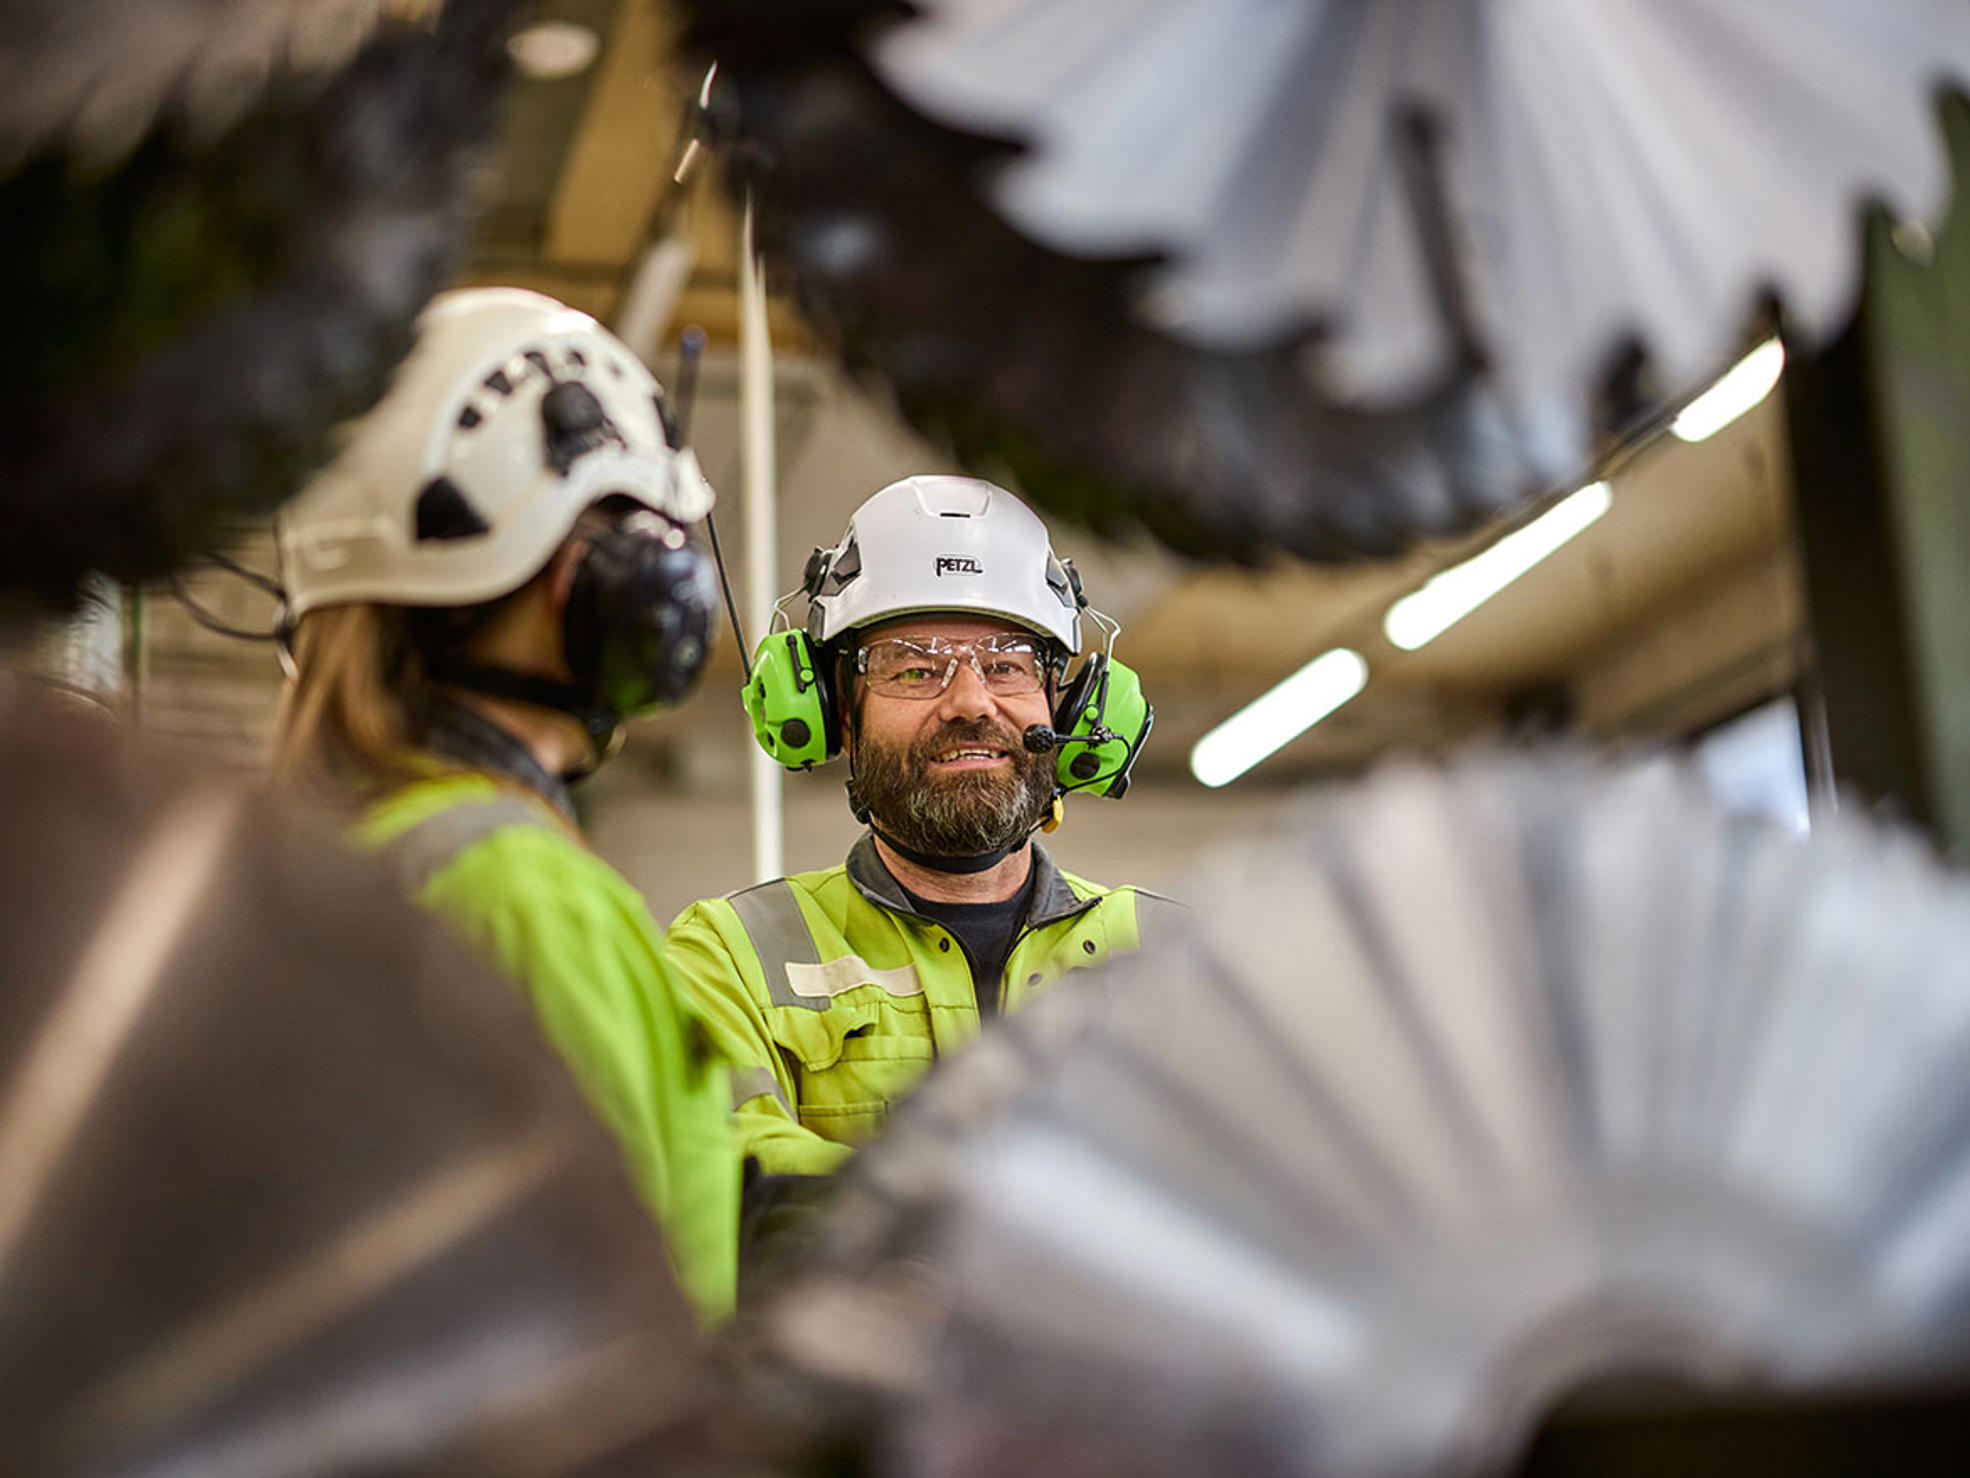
(831, 996)
(511, 875)
(491, 577)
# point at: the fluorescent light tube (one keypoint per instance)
(1743, 387)
(1450, 595)
(1278, 716)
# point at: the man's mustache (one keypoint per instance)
(981, 732)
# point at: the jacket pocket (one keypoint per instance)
(815, 1040)
(853, 1059)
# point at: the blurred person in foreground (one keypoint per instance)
(935, 658)
(492, 576)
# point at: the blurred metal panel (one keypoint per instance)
(288, 1185)
(1881, 447)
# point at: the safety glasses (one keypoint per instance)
(896, 667)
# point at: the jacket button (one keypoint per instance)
(945, 945)
(1088, 945)
(1032, 980)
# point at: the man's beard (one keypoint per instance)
(956, 815)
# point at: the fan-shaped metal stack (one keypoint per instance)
(222, 217)
(286, 1187)
(1320, 275)
(1471, 1086)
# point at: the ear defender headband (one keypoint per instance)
(640, 615)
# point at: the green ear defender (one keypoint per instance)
(790, 700)
(1102, 720)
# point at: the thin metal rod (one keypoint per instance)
(757, 454)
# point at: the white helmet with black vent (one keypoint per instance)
(512, 415)
(941, 545)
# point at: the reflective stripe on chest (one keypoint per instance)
(788, 959)
(845, 974)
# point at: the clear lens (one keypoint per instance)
(1008, 666)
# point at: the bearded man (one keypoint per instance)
(935, 659)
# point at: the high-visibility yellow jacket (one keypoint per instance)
(511, 875)
(830, 997)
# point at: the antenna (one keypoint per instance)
(690, 350)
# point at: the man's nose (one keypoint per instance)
(967, 697)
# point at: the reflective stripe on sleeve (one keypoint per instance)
(422, 852)
(771, 917)
(749, 1083)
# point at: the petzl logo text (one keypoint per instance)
(957, 564)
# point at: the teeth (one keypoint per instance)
(968, 754)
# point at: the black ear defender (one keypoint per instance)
(636, 630)
(640, 615)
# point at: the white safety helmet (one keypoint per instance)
(943, 544)
(512, 415)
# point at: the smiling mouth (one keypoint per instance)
(970, 754)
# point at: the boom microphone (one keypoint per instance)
(1041, 739)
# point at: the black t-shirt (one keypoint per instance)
(985, 931)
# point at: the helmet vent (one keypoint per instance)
(443, 513)
(575, 424)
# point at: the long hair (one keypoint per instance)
(350, 720)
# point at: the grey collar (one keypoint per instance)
(459, 733)
(1052, 899)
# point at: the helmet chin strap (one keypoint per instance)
(599, 723)
(970, 863)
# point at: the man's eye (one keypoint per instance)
(913, 674)
(1004, 667)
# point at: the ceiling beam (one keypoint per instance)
(620, 164)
